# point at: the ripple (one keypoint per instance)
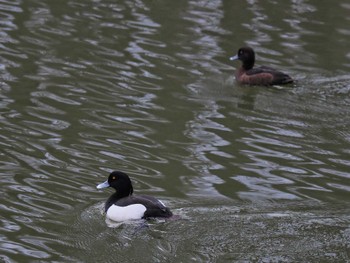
(272, 232)
(14, 248)
(143, 87)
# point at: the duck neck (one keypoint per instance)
(116, 196)
(124, 192)
(248, 64)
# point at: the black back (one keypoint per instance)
(154, 208)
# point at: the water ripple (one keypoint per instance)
(143, 87)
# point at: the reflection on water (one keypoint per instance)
(259, 174)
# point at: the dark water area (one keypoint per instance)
(256, 174)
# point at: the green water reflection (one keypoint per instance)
(256, 174)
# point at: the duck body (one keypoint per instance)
(260, 76)
(123, 205)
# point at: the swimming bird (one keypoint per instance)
(261, 76)
(123, 205)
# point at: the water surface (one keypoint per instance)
(146, 87)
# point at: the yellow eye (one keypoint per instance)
(113, 178)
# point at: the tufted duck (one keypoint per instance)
(123, 205)
(261, 76)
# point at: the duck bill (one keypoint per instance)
(235, 57)
(103, 185)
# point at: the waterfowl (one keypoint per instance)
(123, 205)
(261, 76)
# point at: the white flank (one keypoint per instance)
(123, 213)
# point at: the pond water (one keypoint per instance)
(256, 174)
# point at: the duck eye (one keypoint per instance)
(113, 178)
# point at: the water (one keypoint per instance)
(146, 87)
